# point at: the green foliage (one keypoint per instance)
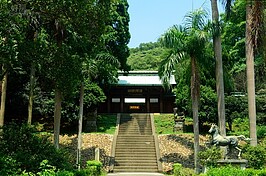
(8, 166)
(147, 56)
(209, 157)
(164, 123)
(180, 171)
(240, 125)
(234, 59)
(95, 167)
(23, 148)
(118, 35)
(65, 173)
(230, 170)
(256, 156)
(208, 105)
(235, 108)
(46, 169)
(261, 132)
(260, 107)
(106, 123)
(93, 96)
(11, 34)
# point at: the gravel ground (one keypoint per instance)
(174, 148)
(89, 143)
(178, 148)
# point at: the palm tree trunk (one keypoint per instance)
(219, 67)
(80, 125)
(57, 116)
(3, 97)
(195, 108)
(250, 75)
(32, 82)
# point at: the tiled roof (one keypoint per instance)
(142, 80)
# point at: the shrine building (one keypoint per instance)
(138, 92)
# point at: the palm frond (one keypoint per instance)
(228, 5)
(196, 19)
(173, 37)
(168, 66)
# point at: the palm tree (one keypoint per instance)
(217, 44)
(187, 42)
(254, 21)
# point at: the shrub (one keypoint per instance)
(261, 132)
(236, 108)
(261, 108)
(8, 166)
(26, 148)
(229, 170)
(180, 171)
(65, 173)
(94, 167)
(208, 105)
(46, 169)
(256, 156)
(209, 157)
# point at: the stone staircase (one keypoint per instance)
(135, 149)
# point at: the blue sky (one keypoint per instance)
(151, 18)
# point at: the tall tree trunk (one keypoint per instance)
(57, 116)
(32, 84)
(250, 74)
(80, 125)
(3, 96)
(195, 108)
(217, 43)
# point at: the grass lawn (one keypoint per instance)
(106, 123)
(164, 124)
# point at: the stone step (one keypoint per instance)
(136, 163)
(139, 158)
(135, 144)
(135, 169)
(140, 171)
(131, 150)
(139, 121)
(133, 127)
(136, 133)
(133, 136)
(129, 161)
(135, 130)
(136, 139)
(134, 153)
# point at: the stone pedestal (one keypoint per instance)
(241, 162)
(179, 125)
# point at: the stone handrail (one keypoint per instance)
(157, 148)
(112, 161)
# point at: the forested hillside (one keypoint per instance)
(147, 56)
